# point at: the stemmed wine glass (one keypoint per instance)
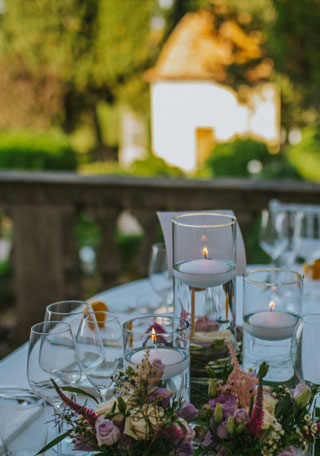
(69, 311)
(99, 347)
(52, 355)
(304, 349)
(159, 278)
(273, 237)
(309, 242)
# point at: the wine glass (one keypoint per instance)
(309, 242)
(52, 355)
(159, 278)
(99, 347)
(273, 238)
(69, 311)
(304, 350)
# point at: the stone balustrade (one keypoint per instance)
(44, 207)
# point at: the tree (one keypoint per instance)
(93, 49)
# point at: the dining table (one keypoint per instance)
(129, 300)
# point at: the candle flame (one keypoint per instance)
(272, 305)
(153, 336)
(205, 252)
(203, 238)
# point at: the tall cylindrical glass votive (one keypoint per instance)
(271, 309)
(166, 338)
(204, 271)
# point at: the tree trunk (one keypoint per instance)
(102, 152)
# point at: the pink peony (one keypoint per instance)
(106, 432)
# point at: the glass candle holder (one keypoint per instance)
(271, 309)
(23, 422)
(167, 339)
(204, 271)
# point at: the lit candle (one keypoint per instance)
(175, 361)
(205, 272)
(271, 325)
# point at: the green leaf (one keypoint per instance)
(251, 405)
(121, 405)
(54, 441)
(72, 389)
(284, 406)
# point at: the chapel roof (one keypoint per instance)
(199, 48)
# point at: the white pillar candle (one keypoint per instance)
(271, 325)
(204, 273)
(174, 360)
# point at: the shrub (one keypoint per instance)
(151, 166)
(155, 166)
(44, 151)
(279, 167)
(231, 159)
(305, 156)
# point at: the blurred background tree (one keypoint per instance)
(63, 59)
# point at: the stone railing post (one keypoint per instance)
(39, 265)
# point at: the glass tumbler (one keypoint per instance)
(167, 339)
(271, 309)
(204, 271)
(23, 422)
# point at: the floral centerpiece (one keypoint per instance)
(244, 417)
(144, 419)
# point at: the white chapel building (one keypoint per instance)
(192, 107)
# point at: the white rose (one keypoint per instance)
(269, 420)
(106, 407)
(137, 427)
(269, 403)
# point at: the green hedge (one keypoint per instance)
(45, 151)
(305, 156)
(231, 159)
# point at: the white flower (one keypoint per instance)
(106, 407)
(138, 427)
(269, 403)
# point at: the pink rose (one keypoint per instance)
(106, 432)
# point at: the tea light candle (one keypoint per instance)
(174, 360)
(271, 325)
(204, 273)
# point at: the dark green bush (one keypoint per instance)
(279, 168)
(305, 156)
(44, 151)
(231, 159)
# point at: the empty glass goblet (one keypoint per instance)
(159, 278)
(99, 347)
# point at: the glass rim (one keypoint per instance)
(177, 330)
(105, 312)
(299, 277)
(48, 308)
(53, 324)
(176, 221)
(313, 317)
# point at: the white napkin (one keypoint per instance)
(18, 421)
(166, 226)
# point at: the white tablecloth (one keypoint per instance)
(129, 300)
